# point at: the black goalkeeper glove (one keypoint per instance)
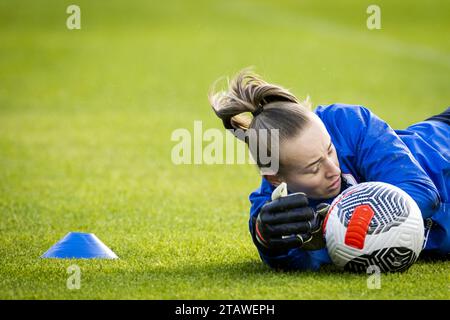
(288, 222)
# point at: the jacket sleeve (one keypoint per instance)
(293, 259)
(380, 155)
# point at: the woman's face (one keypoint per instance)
(309, 163)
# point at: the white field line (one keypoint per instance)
(314, 24)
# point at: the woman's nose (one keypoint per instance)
(332, 169)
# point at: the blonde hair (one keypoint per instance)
(271, 106)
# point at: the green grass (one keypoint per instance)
(86, 118)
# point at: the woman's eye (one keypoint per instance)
(331, 150)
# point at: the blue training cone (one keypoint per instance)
(77, 245)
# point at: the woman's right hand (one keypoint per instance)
(289, 222)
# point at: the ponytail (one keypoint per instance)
(251, 103)
(247, 93)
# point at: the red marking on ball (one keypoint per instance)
(344, 195)
(358, 226)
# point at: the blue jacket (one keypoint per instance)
(416, 160)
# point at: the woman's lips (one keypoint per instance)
(336, 184)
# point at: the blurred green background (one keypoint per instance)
(86, 118)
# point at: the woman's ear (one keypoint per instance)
(275, 180)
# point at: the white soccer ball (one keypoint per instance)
(374, 224)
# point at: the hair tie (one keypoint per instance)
(258, 111)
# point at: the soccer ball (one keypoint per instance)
(374, 224)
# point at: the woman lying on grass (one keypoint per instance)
(323, 152)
